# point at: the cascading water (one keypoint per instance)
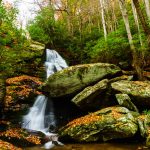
(54, 62)
(36, 119)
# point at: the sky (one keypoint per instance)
(25, 8)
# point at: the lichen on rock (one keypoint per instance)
(75, 78)
(106, 124)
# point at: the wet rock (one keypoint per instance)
(106, 124)
(92, 97)
(125, 101)
(139, 91)
(75, 78)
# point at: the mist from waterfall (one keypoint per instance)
(37, 118)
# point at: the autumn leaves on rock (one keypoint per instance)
(20, 90)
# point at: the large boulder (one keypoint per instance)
(139, 91)
(106, 124)
(92, 97)
(75, 78)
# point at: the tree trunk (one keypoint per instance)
(135, 61)
(147, 6)
(143, 21)
(136, 22)
(126, 21)
(103, 19)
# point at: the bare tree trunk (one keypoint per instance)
(135, 62)
(114, 18)
(136, 22)
(143, 21)
(103, 19)
(147, 6)
(126, 21)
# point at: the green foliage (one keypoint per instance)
(12, 42)
(116, 48)
(146, 112)
(46, 29)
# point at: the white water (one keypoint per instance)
(54, 62)
(36, 119)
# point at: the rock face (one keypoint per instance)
(125, 101)
(20, 91)
(73, 79)
(139, 91)
(92, 97)
(106, 124)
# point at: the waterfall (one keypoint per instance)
(36, 119)
(54, 62)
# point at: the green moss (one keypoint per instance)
(118, 121)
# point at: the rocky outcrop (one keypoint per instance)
(20, 91)
(106, 124)
(125, 101)
(75, 78)
(92, 97)
(139, 91)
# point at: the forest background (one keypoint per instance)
(83, 31)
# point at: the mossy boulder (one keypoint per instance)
(125, 101)
(75, 78)
(92, 97)
(106, 124)
(139, 91)
(144, 126)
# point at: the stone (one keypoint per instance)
(139, 91)
(144, 126)
(75, 78)
(92, 97)
(125, 101)
(106, 124)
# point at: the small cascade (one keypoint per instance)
(54, 62)
(34, 120)
(41, 114)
